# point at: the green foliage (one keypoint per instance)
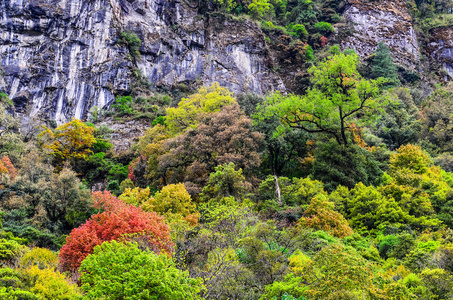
(259, 7)
(225, 182)
(123, 104)
(383, 66)
(41, 257)
(345, 165)
(10, 250)
(324, 27)
(133, 43)
(338, 95)
(36, 284)
(298, 30)
(123, 271)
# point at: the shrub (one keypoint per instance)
(298, 30)
(123, 104)
(40, 257)
(123, 271)
(324, 27)
(133, 43)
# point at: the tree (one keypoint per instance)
(320, 215)
(35, 283)
(123, 271)
(383, 66)
(225, 182)
(437, 118)
(220, 138)
(190, 111)
(69, 141)
(172, 199)
(9, 167)
(348, 165)
(11, 142)
(401, 124)
(117, 220)
(66, 201)
(336, 272)
(338, 95)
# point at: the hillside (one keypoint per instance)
(226, 149)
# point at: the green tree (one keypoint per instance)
(11, 142)
(383, 66)
(123, 271)
(225, 182)
(345, 165)
(338, 95)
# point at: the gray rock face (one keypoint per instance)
(386, 21)
(440, 49)
(62, 57)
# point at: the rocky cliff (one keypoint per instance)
(59, 58)
(440, 50)
(386, 21)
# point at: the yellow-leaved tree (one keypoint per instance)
(191, 110)
(69, 141)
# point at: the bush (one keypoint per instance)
(123, 104)
(123, 271)
(133, 43)
(298, 30)
(40, 257)
(324, 27)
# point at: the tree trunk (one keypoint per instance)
(277, 189)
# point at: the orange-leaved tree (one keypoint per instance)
(69, 141)
(321, 215)
(116, 221)
(7, 167)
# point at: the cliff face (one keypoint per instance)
(440, 50)
(386, 21)
(62, 57)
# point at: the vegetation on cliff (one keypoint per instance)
(342, 190)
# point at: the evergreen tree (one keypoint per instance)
(383, 66)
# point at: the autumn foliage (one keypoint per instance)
(116, 220)
(7, 167)
(72, 140)
(321, 216)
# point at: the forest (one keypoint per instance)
(341, 189)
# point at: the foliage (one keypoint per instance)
(320, 215)
(336, 270)
(133, 43)
(225, 182)
(50, 284)
(35, 283)
(191, 110)
(40, 257)
(222, 138)
(11, 143)
(345, 165)
(339, 94)
(298, 30)
(123, 271)
(259, 7)
(6, 166)
(123, 104)
(172, 199)
(383, 66)
(116, 220)
(69, 141)
(324, 27)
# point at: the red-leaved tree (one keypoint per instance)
(116, 221)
